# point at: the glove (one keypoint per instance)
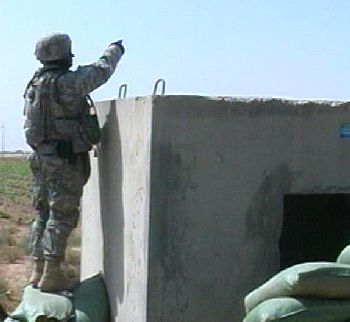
(119, 43)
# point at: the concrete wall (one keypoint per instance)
(123, 166)
(218, 171)
(92, 237)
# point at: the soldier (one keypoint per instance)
(55, 127)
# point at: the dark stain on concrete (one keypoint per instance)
(264, 212)
(263, 222)
(170, 223)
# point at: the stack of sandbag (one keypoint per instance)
(88, 303)
(344, 256)
(308, 292)
(291, 309)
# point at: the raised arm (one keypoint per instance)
(74, 85)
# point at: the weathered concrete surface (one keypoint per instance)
(124, 168)
(219, 171)
(92, 238)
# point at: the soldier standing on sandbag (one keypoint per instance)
(58, 129)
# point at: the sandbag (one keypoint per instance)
(81, 317)
(35, 304)
(288, 309)
(318, 280)
(344, 256)
(91, 301)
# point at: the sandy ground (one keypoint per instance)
(17, 276)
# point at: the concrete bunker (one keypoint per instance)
(185, 206)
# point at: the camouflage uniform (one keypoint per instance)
(58, 181)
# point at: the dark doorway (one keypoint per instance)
(316, 227)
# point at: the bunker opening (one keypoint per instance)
(316, 227)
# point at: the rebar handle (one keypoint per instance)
(159, 81)
(122, 91)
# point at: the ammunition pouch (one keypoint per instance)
(60, 148)
(65, 149)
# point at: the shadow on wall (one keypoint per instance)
(264, 219)
(111, 170)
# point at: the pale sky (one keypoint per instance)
(273, 48)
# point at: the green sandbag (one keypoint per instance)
(91, 301)
(81, 317)
(288, 309)
(35, 303)
(344, 256)
(318, 280)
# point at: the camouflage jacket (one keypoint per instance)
(72, 87)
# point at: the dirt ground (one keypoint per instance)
(17, 277)
(16, 274)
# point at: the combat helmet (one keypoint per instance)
(53, 46)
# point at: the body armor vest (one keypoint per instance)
(49, 120)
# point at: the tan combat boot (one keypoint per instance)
(53, 280)
(37, 271)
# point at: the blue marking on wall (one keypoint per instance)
(345, 131)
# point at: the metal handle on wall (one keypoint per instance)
(122, 91)
(159, 81)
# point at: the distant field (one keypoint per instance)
(15, 178)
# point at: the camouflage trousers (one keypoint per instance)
(57, 189)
